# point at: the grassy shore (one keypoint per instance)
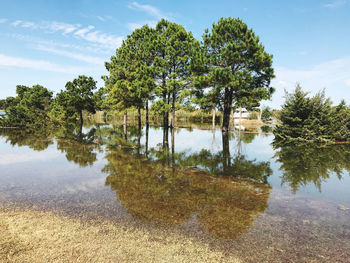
(35, 236)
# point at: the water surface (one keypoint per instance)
(235, 192)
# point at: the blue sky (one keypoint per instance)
(52, 42)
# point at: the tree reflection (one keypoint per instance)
(156, 193)
(311, 164)
(78, 146)
(218, 164)
(37, 140)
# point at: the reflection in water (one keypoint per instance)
(309, 163)
(78, 146)
(161, 186)
(153, 192)
(36, 140)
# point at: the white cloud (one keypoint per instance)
(335, 4)
(16, 23)
(89, 48)
(88, 33)
(77, 56)
(107, 40)
(10, 159)
(83, 31)
(333, 76)
(3, 20)
(101, 18)
(16, 62)
(150, 10)
(133, 26)
(51, 27)
(347, 82)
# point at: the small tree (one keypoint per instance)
(266, 114)
(29, 108)
(78, 96)
(306, 119)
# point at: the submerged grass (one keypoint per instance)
(35, 236)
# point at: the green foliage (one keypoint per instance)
(266, 114)
(311, 119)
(78, 97)
(29, 108)
(131, 75)
(99, 99)
(253, 116)
(174, 49)
(236, 66)
(341, 122)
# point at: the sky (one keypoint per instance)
(52, 42)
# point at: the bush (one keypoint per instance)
(266, 114)
(253, 116)
(312, 119)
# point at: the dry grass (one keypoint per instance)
(33, 236)
(252, 124)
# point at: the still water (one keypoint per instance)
(235, 192)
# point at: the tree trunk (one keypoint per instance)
(226, 158)
(166, 144)
(173, 110)
(214, 112)
(227, 110)
(146, 146)
(125, 123)
(165, 113)
(138, 141)
(173, 147)
(139, 118)
(147, 121)
(240, 117)
(81, 118)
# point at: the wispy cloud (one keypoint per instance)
(3, 20)
(104, 18)
(333, 76)
(86, 33)
(16, 23)
(150, 10)
(133, 26)
(37, 41)
(101, 18)
(51, 27)
(76, 56)
(335, 4)
(107, 40)
(16, 62)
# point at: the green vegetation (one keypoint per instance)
(253, 116)
(305, 119)
(235, 65)
(131, 74)
(266, 114)
(167, 67)
(30, 108)
(78, 96)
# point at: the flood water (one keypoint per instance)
(235, 192)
